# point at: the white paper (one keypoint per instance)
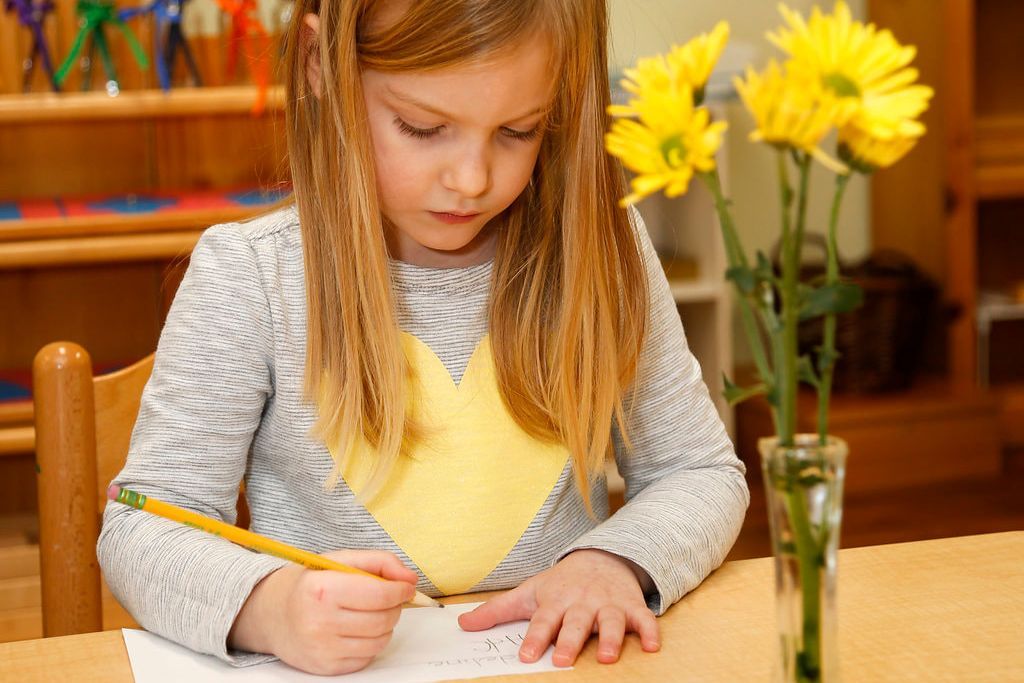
(427, 645)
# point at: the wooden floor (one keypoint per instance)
(958, 509)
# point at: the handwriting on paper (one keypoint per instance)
(427, 645)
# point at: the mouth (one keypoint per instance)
(454, 216)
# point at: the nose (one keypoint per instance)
(468, 172)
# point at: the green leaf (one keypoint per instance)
(805, 371)
(744, 278)
(735, 394)
(838, 297)
(764, 269)
(826, 359)
(786, 548)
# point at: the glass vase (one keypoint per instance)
(804, 493)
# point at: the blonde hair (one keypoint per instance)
(568, 304)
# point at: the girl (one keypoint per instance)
(426, 360)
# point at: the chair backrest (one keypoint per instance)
(83, 426)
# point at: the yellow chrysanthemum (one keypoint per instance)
(866, 152)
(788, 113)
(864, 68)
(671, 140)
(688, 66)
(695, 60)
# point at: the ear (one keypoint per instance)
(309, 39)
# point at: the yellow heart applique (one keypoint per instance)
(459, 500)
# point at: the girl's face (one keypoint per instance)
(454, 148)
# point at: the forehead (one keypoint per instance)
(512, 82)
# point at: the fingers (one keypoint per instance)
(543, 627)
(645, 624)
(379, 562)
(355, 592)
(365, 593)
(576, 628)
(611, 628)
(366, 624)
(360, 648)
(516, 605)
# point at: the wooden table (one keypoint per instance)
(944, 610)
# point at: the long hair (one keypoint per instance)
(568, 304)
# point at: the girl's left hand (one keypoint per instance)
(588, 591)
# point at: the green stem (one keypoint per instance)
(733, 249)
(737, 258)
(809, 554)
(786, 197)
(786, 365)
(827, 357)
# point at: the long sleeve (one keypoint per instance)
(686, 495)
(199, 411)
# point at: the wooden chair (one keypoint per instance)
(83, 426)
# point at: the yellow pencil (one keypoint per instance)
(244, 538)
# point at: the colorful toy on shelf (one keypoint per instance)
(285, 12)
(31, 15)
(249, 34)
(167, 38)
(284, 15)
(95, 16)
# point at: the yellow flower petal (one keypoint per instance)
(865, 69)
(788, 112)
(662, 136)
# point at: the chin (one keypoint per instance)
(453, 240)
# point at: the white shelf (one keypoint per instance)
(696, 291)
(992, 307)
(991, 311)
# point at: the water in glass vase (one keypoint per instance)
(804, 487)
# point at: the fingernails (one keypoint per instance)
(528, 653)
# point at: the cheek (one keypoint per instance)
(397, 170)
(517, 173)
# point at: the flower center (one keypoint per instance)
(673, 150)
(841, 85)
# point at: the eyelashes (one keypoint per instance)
(418, 133)
(426, 133)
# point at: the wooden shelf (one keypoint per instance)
(93, 250)
(17, 433)
(933, 432)
(120, 223)
(35, 108)
(1011, 413)
(999, 157)
(111, 237)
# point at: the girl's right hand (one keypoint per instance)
(326, 622)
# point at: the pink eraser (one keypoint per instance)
(113, 492)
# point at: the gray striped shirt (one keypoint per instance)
(225, 402)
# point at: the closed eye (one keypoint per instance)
(420, 133)
(424, 133)
(521, 134)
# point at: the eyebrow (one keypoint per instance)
(409, 99)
